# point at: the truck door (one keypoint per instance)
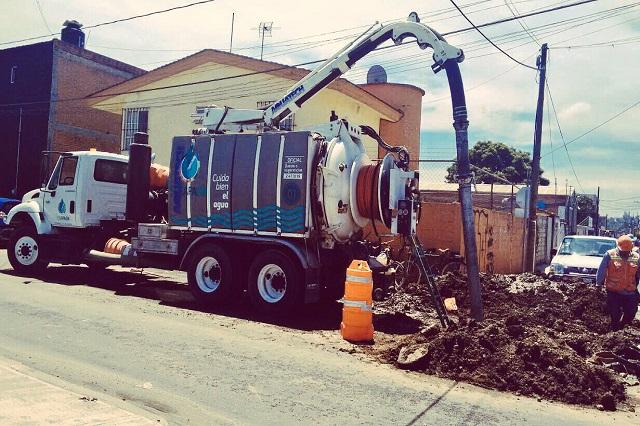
(60, 194)
(106, 196)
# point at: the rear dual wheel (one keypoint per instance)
(275, 283)
(210, 275)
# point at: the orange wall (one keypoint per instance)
(498, 235)
(408, 100)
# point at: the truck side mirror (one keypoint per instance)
(554, 252)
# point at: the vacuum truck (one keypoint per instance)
(245, 206)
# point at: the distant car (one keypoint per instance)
(579, 256)
(5, 205)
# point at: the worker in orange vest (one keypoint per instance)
(619, 273)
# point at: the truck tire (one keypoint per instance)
(275, 283)
(210, 275)
(24, 252)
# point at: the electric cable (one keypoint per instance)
(101, 24)
(613, 117)
(42, 16)
(555, 113)
(192, 83)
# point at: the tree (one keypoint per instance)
(586, 207)
(499, 159)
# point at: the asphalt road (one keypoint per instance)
(138, 337)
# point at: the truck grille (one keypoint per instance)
(580, 270)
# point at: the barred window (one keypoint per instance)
(286, 124)
(133, 120)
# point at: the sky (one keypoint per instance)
(594, 59)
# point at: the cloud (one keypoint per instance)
(588, 85)
(575, 111)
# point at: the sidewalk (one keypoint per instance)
(26, 399)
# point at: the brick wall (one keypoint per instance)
(74, 124)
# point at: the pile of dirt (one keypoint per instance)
(539, 338)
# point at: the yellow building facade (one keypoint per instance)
(162, 101)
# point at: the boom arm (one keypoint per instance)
(217, 119)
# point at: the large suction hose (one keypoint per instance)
(460, 124)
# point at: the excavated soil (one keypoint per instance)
(538, 339)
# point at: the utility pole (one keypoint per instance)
(15, 188)
(233, 18)
(598, 212)
(535, 164)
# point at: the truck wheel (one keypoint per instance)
(209, 274)
(275, 283)
(24, 252)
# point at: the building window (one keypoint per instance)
(12, 78)
(286, 124)
(133, 120)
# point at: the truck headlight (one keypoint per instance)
(556, 268)
(3, 216)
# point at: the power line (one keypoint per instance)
(250, 73)
(489, 40)
(553, 160)
(555, 113)
(130, 18)
(42, 16)
(515, 12)
(622, 199)
(613, 117)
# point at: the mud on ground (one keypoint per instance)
(538, 338)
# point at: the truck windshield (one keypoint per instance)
(586, 246)
(64, 172)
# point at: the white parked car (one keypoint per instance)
(579, 256)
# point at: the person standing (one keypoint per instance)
(619, 274)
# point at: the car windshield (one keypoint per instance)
(586, 246)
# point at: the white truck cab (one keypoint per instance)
(84, 188)
(62, 219)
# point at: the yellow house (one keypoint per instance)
(161, 101)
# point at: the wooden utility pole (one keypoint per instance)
(598, 212)
(535, 164)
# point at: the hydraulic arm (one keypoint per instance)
(216, 119)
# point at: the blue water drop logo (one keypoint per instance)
(190, 163)
(62, 208)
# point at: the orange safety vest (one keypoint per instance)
(621, 273)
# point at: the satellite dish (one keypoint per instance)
(376, 74)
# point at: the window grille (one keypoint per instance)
(133, 120)
(286, 124)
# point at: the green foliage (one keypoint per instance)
(499, 159)
(586, 207)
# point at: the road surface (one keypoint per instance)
(138, 337)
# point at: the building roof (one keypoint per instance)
(84, 53)
(231, 59)
(98, 58)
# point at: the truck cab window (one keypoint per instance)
(68, 171)
(110, 171)
(55, 176)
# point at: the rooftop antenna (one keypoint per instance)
(264, 30)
